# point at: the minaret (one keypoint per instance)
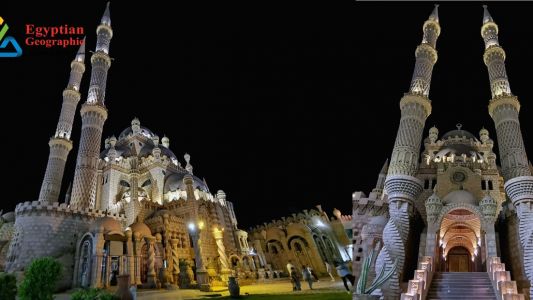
(60, 144)
(504, 108)
(93, 116)
(401, 185)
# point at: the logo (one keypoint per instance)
(4, 42)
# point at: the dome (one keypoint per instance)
(124, 146)
(458, 150)
(433, 199)
(144, 131)
(460, 196)
(458, 133)
(141, 228)
(9, 217)
(175, 182)
(109, 224)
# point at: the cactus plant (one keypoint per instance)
(380, 279)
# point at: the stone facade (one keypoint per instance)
(308, 238)
(451, 208)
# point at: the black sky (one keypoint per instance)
(281, 107)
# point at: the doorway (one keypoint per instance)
(459, 260)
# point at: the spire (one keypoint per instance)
(486, 15)
(426, 56)
(494, 57)
(385, 167)
(435, 14)
(80, 56)
(106, 18)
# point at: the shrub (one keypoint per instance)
(92, 294)
(40, 279)
(8, 286)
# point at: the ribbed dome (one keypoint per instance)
(175, 182)
(144, 131)
(125, 147)
(458, 133)
(108, 223)
(141, 228)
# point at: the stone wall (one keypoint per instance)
(49, 230)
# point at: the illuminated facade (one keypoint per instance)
(309, 238)
(452, 208)
(132, 208)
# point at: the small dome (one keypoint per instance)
(9, 217)
(433, 130)
(141, 228)
(109, 224)
(458, 133)
(175, 182)
(460, 196)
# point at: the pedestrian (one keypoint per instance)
(344, 273)
(289, 267)
(313, 273)
(295, 279)
(328, 269)
(306, 275)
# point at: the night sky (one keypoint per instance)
(281, 107)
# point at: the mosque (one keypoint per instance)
(454, 222)
(132, 208)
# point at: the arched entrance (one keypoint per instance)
(460, 240)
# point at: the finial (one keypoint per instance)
(435, 14)
(80, 55)
(165, 141)
(106, 18)
(188, 167)
(135, 125)
(486, 15)
(459, 126)
(112, 141)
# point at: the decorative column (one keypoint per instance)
(504, 108)
(151, 276)
(202, 278)
(175, 260)
(489, 208)
(138, 253)
(60, 144)
(93, 116)
(224, 262)
(401, 185)
(98, 259)
(131, 258)
(433, 209)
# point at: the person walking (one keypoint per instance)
(306, 274)
(313, 273)
(295, 279)
(344, 273)
(328, 269)
(289, 267)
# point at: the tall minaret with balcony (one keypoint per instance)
(93, 116)
(401, 185)
(504, 108)
(60, 144)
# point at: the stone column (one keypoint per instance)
(175, 260)
(151, 276)
(138, 254)
(129, 251)
(98, 258)
(223, 258)
(202, 277)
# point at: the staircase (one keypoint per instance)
(461, 285)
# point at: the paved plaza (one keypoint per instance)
(277, 287)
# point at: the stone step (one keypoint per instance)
(458, 285)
